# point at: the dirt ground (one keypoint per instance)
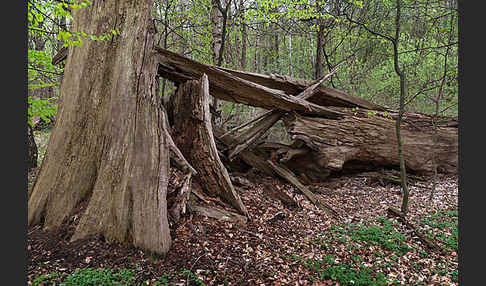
(259, 252)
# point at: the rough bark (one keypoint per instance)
(194, 136)
(233, 88)
(263, 123)
(32, 147)
(367, 139)
(325, 96)
(109, 147)
(260, 90)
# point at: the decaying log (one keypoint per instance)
(265, 122)
(194, 136)
(252, 88)
(274, 193)
(232, 88)
(324, 96)
(371, 140)
(428, 242)
(254, 158)
(290, 177)
(217, 213)
(256, 132)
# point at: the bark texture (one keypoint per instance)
(366, 139)
(109, 147)
(32, 147)
(194, 136)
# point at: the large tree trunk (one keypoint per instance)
(363, 139)
(108, 147)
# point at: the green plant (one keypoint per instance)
(42, 108)
(346, 274)
(50, 278)
(442, 226)
(192, 277)
(102, 277)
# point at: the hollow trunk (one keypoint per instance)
(108, 147)
(193, 134)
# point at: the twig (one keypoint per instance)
(192, 266)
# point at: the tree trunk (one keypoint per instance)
(319, 47)
(108, 147)
(244, 38)
(33, 153)
(194, 136)
(363, 139)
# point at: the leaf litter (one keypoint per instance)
(283, 246)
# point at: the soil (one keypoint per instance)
(257, 253)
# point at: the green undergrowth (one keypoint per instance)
(381, 245)
(112, 277)
(441, 226)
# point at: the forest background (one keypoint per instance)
(303, 39)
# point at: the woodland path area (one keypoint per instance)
(274, 248)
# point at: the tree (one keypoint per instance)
(107, 148)
(403, 94)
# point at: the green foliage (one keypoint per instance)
(384, 236)
(89, 277)
(192, 277)
(95, 277)
(345, 274)
(443, 227)
(40, 107)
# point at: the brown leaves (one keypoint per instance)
(273, 246)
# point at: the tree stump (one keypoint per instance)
(193, 135)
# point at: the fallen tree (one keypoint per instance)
(362, 138)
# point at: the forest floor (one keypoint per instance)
(278, 245)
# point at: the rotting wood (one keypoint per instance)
(428, 242)
(324, 96)
(232, 88)
(272, 191)
(176, 154)
(217, 213)
(369, 139)
(289, 85)
(266, 121)
(285, 173)
(194, 135)
(254, 158)
(179, 206)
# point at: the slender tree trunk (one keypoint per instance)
(290, 55)
(244, 37)
(403, 94)
(108, 147)
(319, 46)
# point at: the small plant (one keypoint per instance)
(191, 277)
(89, 276)
(442, 226)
